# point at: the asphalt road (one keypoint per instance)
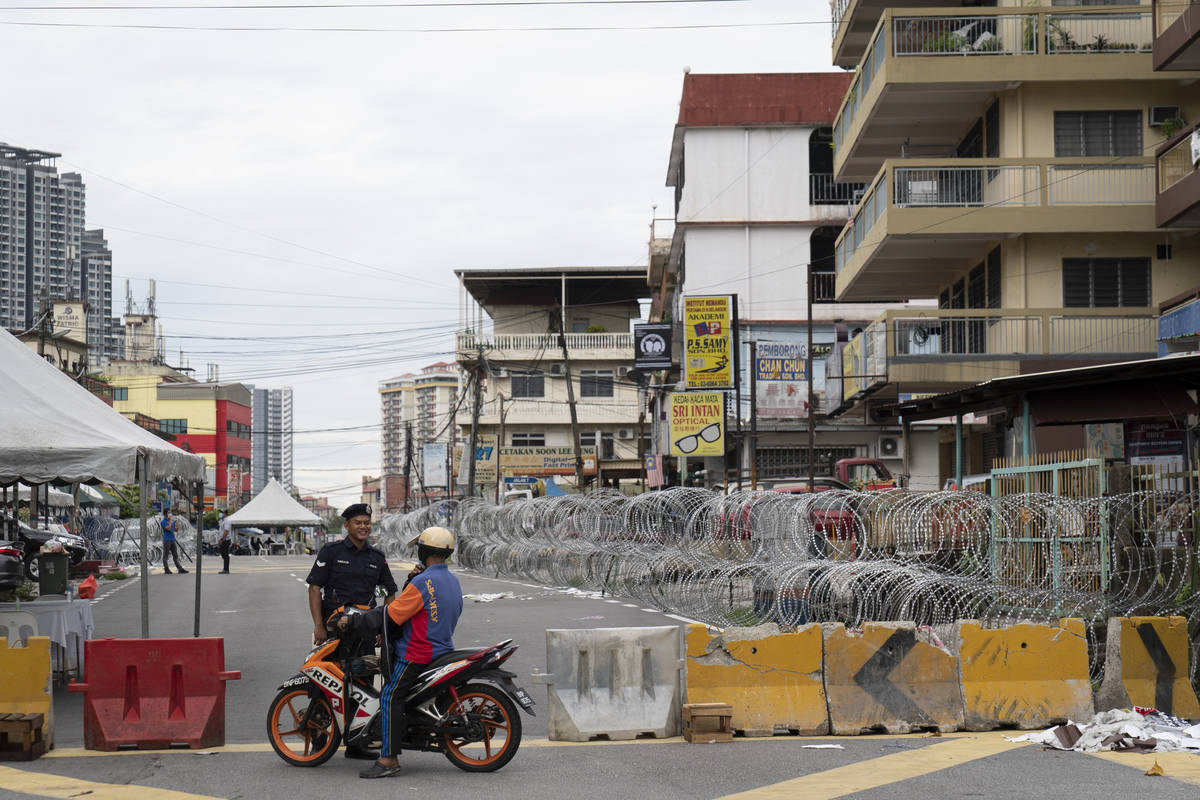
(260, 611)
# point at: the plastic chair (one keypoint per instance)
(15, 624)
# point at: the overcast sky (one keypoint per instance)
(319, 188)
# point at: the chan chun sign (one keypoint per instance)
(781, 369)
(708, 342)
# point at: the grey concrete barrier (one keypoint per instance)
(613, 683)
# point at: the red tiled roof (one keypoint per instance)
(776, 98)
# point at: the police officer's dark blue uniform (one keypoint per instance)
(347, 572)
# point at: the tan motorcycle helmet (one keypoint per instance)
(433, 541)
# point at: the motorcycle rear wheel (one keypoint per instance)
(500, 719)
(296, 742)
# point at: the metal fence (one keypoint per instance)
(1176, 164)
(960, 187)
(1100, 184)
(824, 190)
(1009, 34)
(841, 556)
(1099, 33)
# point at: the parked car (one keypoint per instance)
(833, 517)
(32, 539)
(12, 565)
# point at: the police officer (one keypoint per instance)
(346, 572)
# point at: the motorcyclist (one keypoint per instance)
(420, 623)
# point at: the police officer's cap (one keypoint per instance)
(356, 510)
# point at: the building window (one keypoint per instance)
(596, 383)
(529, 440)
(120, 393)
(1097, 133)
(173, 425)
(1106, 282)
(529, 384)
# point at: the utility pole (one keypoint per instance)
(43, 320)
(753, 414)
(408, 453)
(812, 411)
(475, 420)
(499, 449)
(562, 341)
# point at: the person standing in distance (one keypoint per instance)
(225, 541)
(170, 548)
(346, 572)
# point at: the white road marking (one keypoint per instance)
(683, 619)
(629, 605)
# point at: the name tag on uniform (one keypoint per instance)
(340, 561)
(373, 566)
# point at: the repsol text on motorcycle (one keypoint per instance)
(462, 706)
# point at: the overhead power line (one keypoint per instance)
(530, 29)
(290, 6)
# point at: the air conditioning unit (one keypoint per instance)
(558, 369)
(500, 372)
(622, 372)
(1160, 114)
(891, 447)
(624, 433)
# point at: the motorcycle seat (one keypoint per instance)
(453, 655)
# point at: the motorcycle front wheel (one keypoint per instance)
(500, 729)
(301, 728)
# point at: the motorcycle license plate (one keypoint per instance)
(523, 698)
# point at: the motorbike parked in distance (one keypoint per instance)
(462, 706)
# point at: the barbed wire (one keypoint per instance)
(753, 557)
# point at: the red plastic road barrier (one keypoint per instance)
(153, 693)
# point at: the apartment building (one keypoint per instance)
(41, 239)
(1013, 158)
(271, 451)
(757, 214)
(510, 324)
(95, 289)
(423, 402)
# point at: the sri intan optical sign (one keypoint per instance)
(698, 424)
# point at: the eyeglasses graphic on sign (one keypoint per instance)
(709, 433)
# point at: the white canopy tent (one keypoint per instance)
(273, 506)
(58, 499)
(54, 430)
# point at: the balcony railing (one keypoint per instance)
(824, 287)
(543, 341)
(956, 187)
(1002, 33)
(902, 346)
(824, 190)
(995, 184)
(1176, 163)
(1165, 13)
(1006, 334)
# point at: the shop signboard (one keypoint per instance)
(652, 346)
(697, 424)
(545, 461)
(708, 342)
(433, 464)
(781, 370)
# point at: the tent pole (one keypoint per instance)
(143, 497)
(198, 507)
